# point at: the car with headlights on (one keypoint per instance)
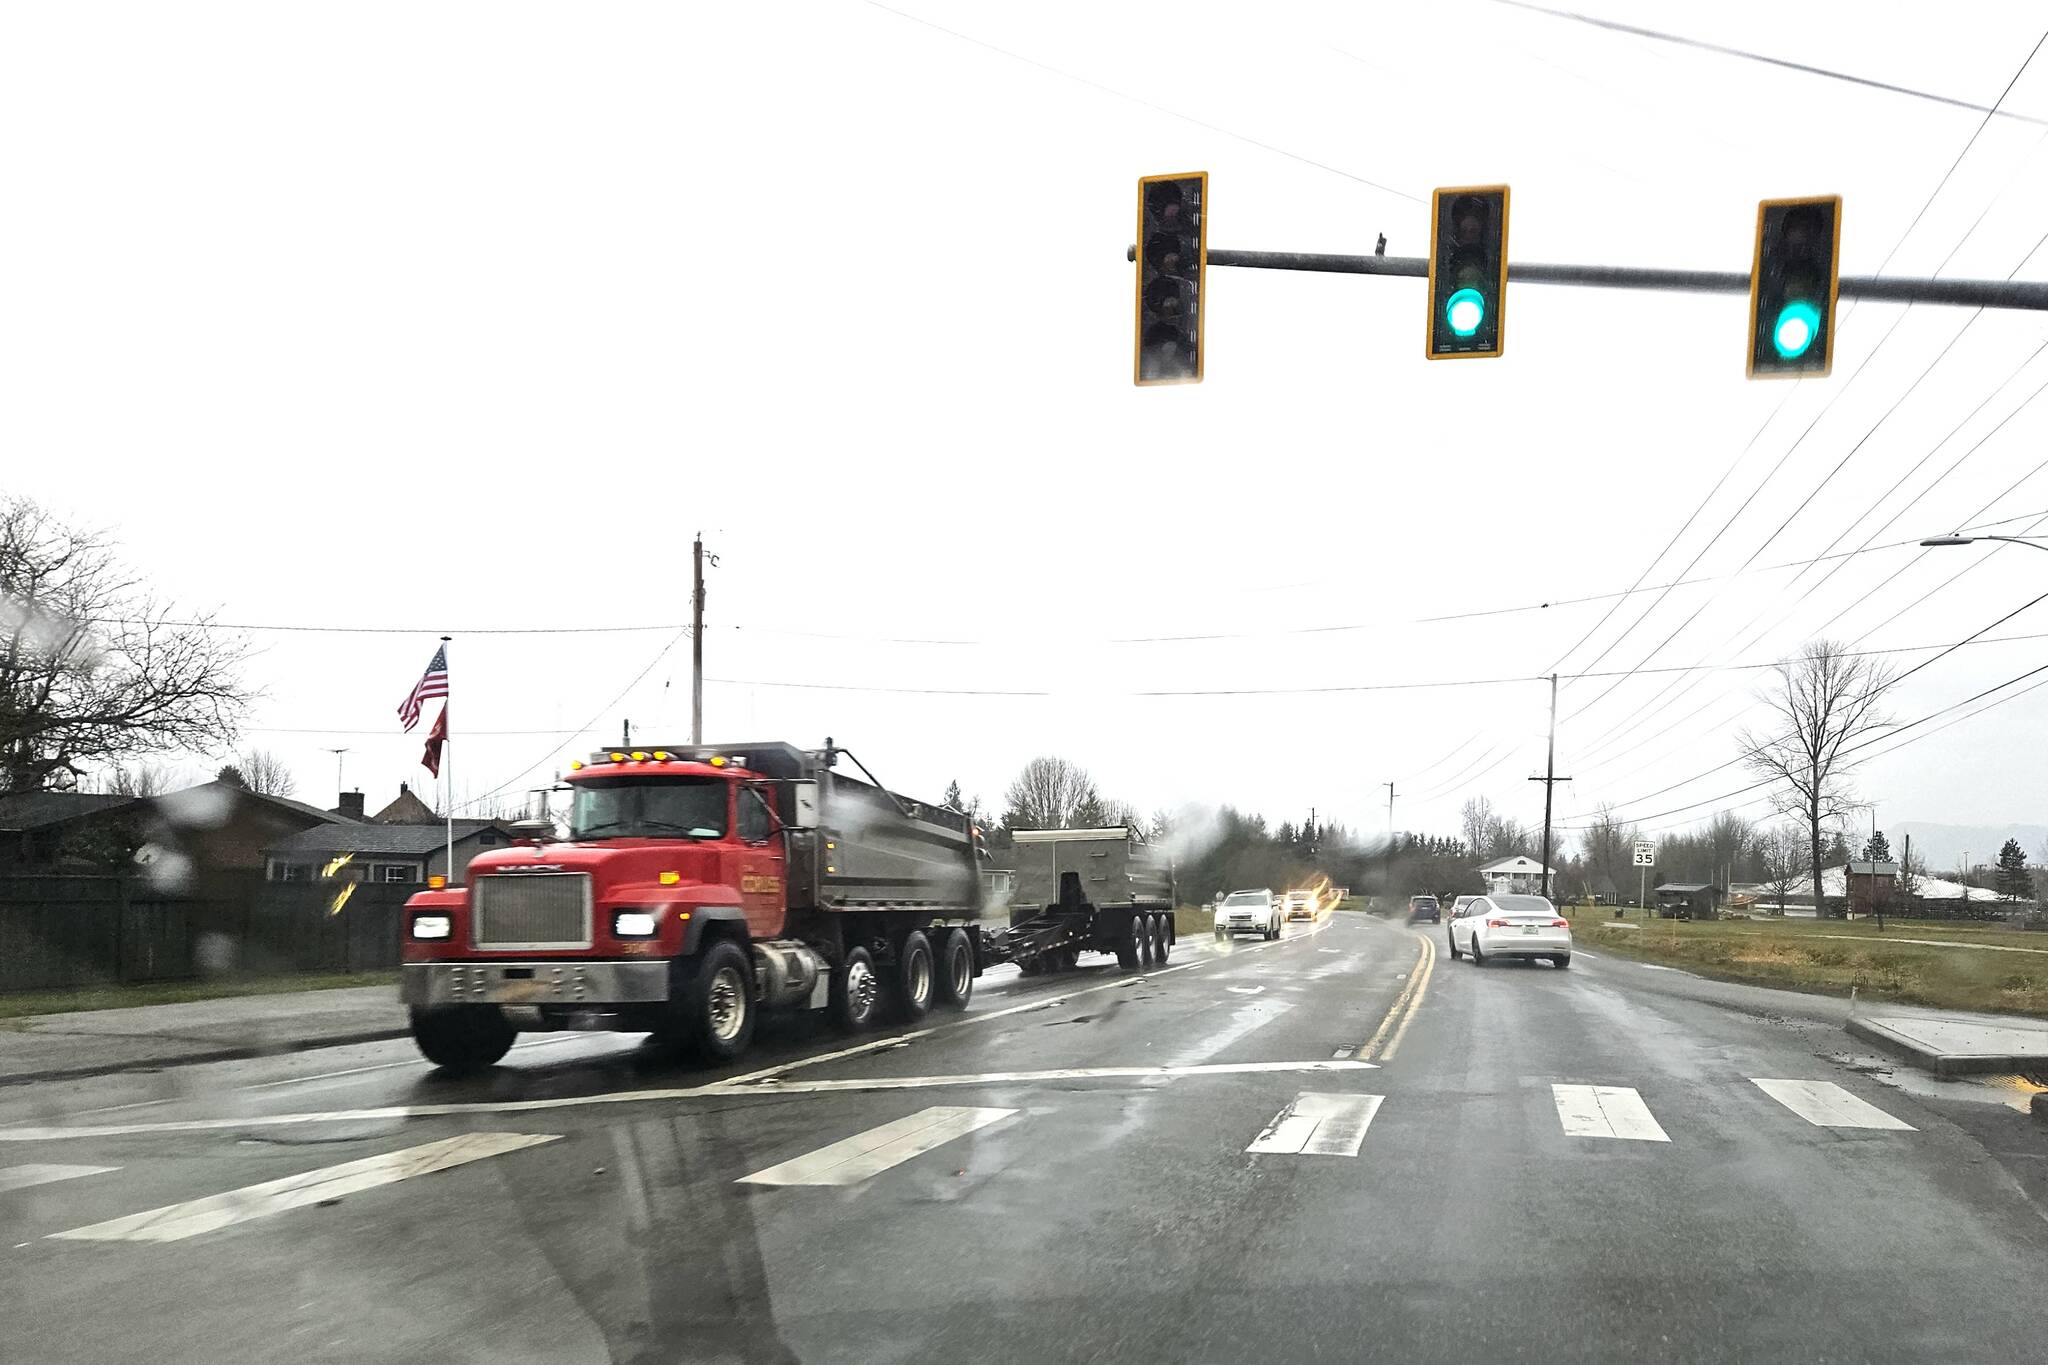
(1511, 926)
(1249, 912)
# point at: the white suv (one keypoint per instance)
(1249, 912)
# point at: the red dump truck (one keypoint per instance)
(700, 885)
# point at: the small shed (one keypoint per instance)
(1688, 900)
(1873, 886)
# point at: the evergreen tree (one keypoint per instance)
(1877, 850)
(2014, 881)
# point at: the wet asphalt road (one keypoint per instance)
(1062, 1174)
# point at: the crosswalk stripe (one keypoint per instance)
(21, 1177)
(1319, 1124)
(1607, 1111)
(174, 1222)
(1826, 1105)
(852, 1160)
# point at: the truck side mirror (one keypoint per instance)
(803, 804)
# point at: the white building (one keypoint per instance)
(1516, 876)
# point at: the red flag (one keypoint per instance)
(436, 737)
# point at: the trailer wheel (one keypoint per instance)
(1165, 949)
(955, 984)
(910, 987)
(1128, 947)
(855, 991)
(462, 1039)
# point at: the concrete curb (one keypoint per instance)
(226, 1054)
(1945, 1063)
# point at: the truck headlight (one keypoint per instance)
(432, 926)
(633, 924)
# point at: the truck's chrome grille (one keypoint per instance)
(531, 910)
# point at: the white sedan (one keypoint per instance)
(1510, 926)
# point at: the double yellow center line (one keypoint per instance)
(1387, 1038)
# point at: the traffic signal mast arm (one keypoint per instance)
(2023, 294)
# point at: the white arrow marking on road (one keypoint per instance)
(21, 1177)
(175, 1222)
(854, 1159)
(1318, 1124)
(1826, 1105)
(1608, 1111)
(1244, 990)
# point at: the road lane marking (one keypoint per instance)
(1409, 998)
(1606, 1111)
(1070, 1073)
(175, 1222)
(716, 1090)
(1421, 985)
(854, 1159)
(1244, 990)
(410, 1061)
(1826, 1105)
(22, 1177)
(1316, 1123)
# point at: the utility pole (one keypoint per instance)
(697, 641)
(1550, 779)
(1390, 836)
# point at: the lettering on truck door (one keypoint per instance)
(760, 862)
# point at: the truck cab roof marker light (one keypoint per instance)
(618, 758)
(670, 878)
(661, 755)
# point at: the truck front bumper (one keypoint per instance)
(428, 984)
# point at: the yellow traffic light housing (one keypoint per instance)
(1468, 272)
(1173, 257)
(1794, 279)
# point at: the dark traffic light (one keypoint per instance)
(1468, 271)
(1792, 286)
(1173, 245)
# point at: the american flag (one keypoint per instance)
(434, 683)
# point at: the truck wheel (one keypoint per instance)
(1165, 939)
(910, 988)
(462, 1039)
(1148, 939)
(721, 1003)
(1127, 948)
(1031, 966)
(855, 991)
(955, 984)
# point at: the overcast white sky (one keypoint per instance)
(449, 317)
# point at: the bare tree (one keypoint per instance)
(264, 773)
(92, 665)
(144, 779)
(1727, 835)
(1476, 822)
(1826, 708)
(1049, 794)
(1782, 852)
(1609, 850)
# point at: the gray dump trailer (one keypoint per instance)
(1077, 890)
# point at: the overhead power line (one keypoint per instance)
(1745, 54)
(1144, 103)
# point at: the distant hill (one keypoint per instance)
(1940, 847)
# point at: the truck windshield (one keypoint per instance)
(686, 808)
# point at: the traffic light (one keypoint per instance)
(1173, 254)
(1468, 271)
(1792, 286)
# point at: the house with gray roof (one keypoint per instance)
(373, 852)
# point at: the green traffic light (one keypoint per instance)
(1795, 331)
(1464, 311)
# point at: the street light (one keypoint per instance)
(1932, 541)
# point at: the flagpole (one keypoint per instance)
(448, 776)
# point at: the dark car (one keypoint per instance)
(1424, 908)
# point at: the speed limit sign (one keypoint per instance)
(1646, 854)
